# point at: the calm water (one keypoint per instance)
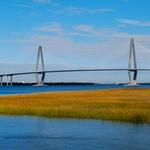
(31, 133)
(6, 90)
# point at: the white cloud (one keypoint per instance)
(41, 1)
(79, 10)
(109, 48)
(23, 6)
(52, 27)
(89, 30)
(82, 30)
(134, 22)
(51, 2)
(85, 28)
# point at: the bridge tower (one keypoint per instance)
(132, 64)
(40, 81)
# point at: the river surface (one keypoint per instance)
(33, 133)
(7, 90)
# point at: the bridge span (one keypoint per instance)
(132, 70)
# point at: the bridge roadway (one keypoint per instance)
(73, 70)
(67, 71)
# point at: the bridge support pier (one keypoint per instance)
(11, 80)
(1, 80)
(132, 72)
(7, 83)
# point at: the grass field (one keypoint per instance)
(128, 105)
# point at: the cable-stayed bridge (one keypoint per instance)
(132, 69)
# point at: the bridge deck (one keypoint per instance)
(75, 70)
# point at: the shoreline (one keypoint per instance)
(121, 105)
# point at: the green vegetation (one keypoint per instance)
(128, 105)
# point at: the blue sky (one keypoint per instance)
(74, 33)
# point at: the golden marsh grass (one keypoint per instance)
(128, 105)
